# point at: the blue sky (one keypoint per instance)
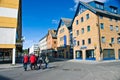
(40, 15)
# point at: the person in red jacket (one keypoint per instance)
(25, 61)
(32, 61)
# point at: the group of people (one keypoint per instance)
(35, 61)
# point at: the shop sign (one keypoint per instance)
(83, 47)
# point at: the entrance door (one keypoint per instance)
(78, 54)
(90, 55)
(108, 54)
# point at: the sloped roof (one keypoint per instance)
(100, 11)
(96, 11)
(67, 21)
(53, 33)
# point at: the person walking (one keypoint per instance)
(32, 61)
(40, 61)
(46, 61)
(25, 61)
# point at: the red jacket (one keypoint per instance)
(32, 59)
(25, 59)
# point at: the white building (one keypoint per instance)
(34, 49)
(43, 44)
(10, 29)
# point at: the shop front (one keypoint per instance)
(90, 55)
(78, 54)
(5, 55)
(108, 54)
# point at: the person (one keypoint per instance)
(25, 61)
(32, 61)
(40, 61)
(36, 59)
(46, 61)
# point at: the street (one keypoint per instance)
(66, 70)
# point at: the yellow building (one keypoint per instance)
(10, 29)
(96, 31)
(64, 38)
(52, 43)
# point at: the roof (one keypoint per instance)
(53, 33)
(43, 38)
(67, 22)
(96, 11)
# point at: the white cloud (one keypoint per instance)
(55, 21)
(77, 1)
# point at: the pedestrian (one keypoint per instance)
(25, 61)
(32, 61)
(46, 61)
(40, 61)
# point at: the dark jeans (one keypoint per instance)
(25, 66)
(31, 65)
(46, 65)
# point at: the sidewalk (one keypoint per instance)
(93, 62)
(5, 66)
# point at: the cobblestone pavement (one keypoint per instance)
(67, 70)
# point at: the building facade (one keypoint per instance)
(43, 44)
(10, 29)
(34, 49)
(64, 38)
(96, 31)
(52, 43)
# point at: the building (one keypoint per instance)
(43, 44)
(10, 29)
(52, 43)
(96, 31)
(34, 49)
(64, 38)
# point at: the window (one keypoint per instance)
(111, 27)
(103, 39)
(54, 42)
(97, 5)
(62, 30)
(82, 19)
(101, 17)
(101, 25)
(100, 6)
(78, 43)
(61, 38)
(87, 16)
(82, 30)
(116, 20)
(113, 9)
(74, 42)
(117, 28)
(112, 40)
(76, 22)
(83, 42)
(118, 40)
(110, 19)
(77, 32)
(89, 41)
(88, 28)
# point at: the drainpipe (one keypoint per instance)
(98, 24)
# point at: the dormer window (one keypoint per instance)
(113, 9)
(99, 5)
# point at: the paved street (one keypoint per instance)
(66, 70)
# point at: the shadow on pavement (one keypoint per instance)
(4, 78)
